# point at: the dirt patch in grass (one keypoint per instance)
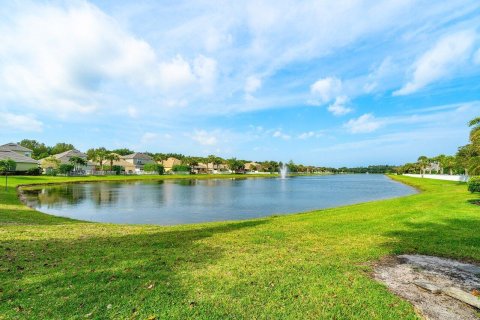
(408, 275)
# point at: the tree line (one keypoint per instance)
(465, 161)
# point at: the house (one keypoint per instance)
(127, 166)
(23, 162)
(170, 163)
(200, 168)
(64, 158)
(253, 167)
(138, 159)
(17, 149)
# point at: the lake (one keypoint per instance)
(169, 202)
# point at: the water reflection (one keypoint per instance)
(186, 201)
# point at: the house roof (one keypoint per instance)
(170, 162)
(138, 155)
(249, 165)
(70, 153)
(19, 158)
(14, 147)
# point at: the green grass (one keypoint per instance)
(301, 266)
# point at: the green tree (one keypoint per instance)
(97, 155)
(475, 132)
(65, 168)
(7, 165)
(123, 151)
(235, 165)
(61, 147)
(464, 157)
(39, 150)
(423, 162)
(192, 162)
(50, 162)
(112, 157)
(77, 162)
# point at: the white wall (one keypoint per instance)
(439, 177)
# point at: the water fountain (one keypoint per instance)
(283, 171)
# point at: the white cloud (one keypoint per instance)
(309, 134)
(326, 89)
(132, 112)
(339, 108)
(281, 135)
(148, 137)
(204, 138)
(252, 84)
(75, 58)
(57, 58)
(363, 124)
(440, 61)
(18, 122)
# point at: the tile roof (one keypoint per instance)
(138, 155)
(6, 154)
(14, 147)
(70, 153)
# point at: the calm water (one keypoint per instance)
(188, 201)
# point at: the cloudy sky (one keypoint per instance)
(319, 82)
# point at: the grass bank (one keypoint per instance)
(304, 266)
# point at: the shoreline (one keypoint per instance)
(21, 196)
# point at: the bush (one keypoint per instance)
(474, 184)
(65, 168)
(153, 167)
(34, 171)
(118, 169)
(180, 168)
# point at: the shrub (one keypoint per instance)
(34, 171)
(118, 169)
(153, 167)
(181, 168)
(474, 184)
(65, 168)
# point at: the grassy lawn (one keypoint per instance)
(302, 266)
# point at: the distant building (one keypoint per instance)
(64, 158)
(17, 149)
(23, 163)
(253, 167)
(139, 160)
(170, 163)
(21, 155)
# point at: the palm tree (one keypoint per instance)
(191, 162)
(440, 160)
(449, 163)
(464, 157)
(423, 163)
(475, 132)
(112, 157)
(77, 162)
(218, 161)
(97, 155)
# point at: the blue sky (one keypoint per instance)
(319, 82)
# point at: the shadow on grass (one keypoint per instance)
(138, 275)
(451, 238)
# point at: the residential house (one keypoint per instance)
(253, 167)
(17, 149)
(200, 168)
(23, 162)
(138, 159)
(170, 163)
(127, 166)
(64, 158)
